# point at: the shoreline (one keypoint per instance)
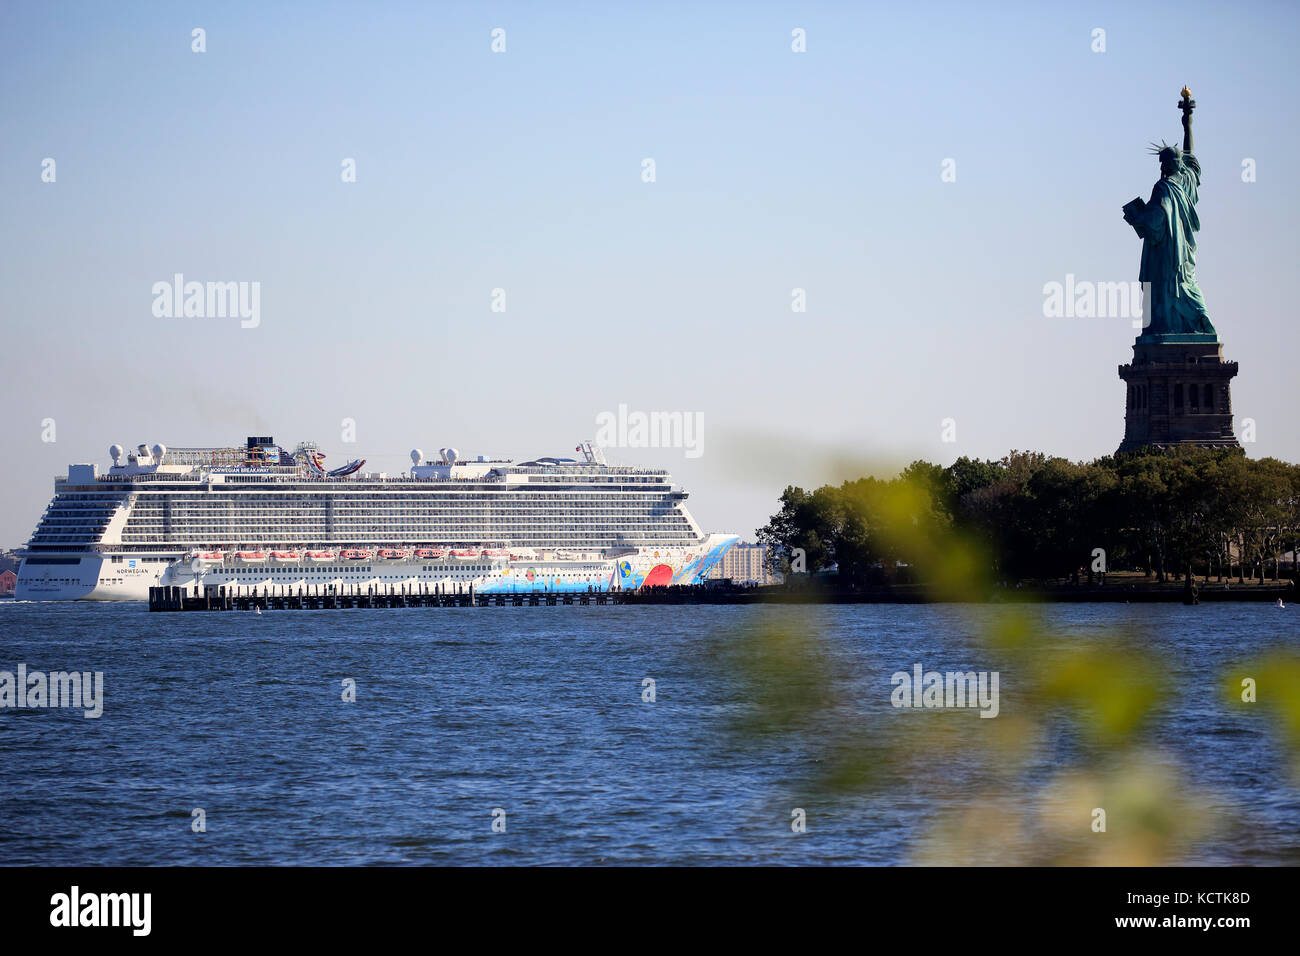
(1146, 593)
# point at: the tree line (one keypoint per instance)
(1169, 513)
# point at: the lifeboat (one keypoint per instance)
(354, 554)
(392, 554)
(496, 553)
(210, 557)
(251, 557)
(320, 555)
(433, 553)
(285, 556)
(464, 555)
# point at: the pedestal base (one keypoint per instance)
(1178, 394)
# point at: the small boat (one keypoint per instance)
(392, 554)
(354, 554)
(496, 553)
(320, 555)
(431, 553)
(465, 555)
(251, 557)
(285, 556)
(210, 557)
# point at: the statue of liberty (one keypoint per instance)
(1167, 225)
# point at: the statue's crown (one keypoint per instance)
(1166, 152)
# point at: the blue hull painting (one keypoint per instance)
(648, 568)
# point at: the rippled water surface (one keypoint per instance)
(540, 712)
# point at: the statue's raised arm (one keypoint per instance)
(1187, 104)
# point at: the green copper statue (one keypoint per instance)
(1168, 225)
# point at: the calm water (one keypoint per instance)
(539, 711)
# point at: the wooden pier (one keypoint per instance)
(271, 598)
(302, 598)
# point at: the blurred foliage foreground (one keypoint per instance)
(1069, 772)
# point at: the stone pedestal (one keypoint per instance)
(1178, 393)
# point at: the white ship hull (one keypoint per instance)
(90, 578)
(94, 578)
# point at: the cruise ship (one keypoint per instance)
(260, 516)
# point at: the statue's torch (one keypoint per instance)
(1187, 104)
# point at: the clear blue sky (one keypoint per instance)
(522, 171)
